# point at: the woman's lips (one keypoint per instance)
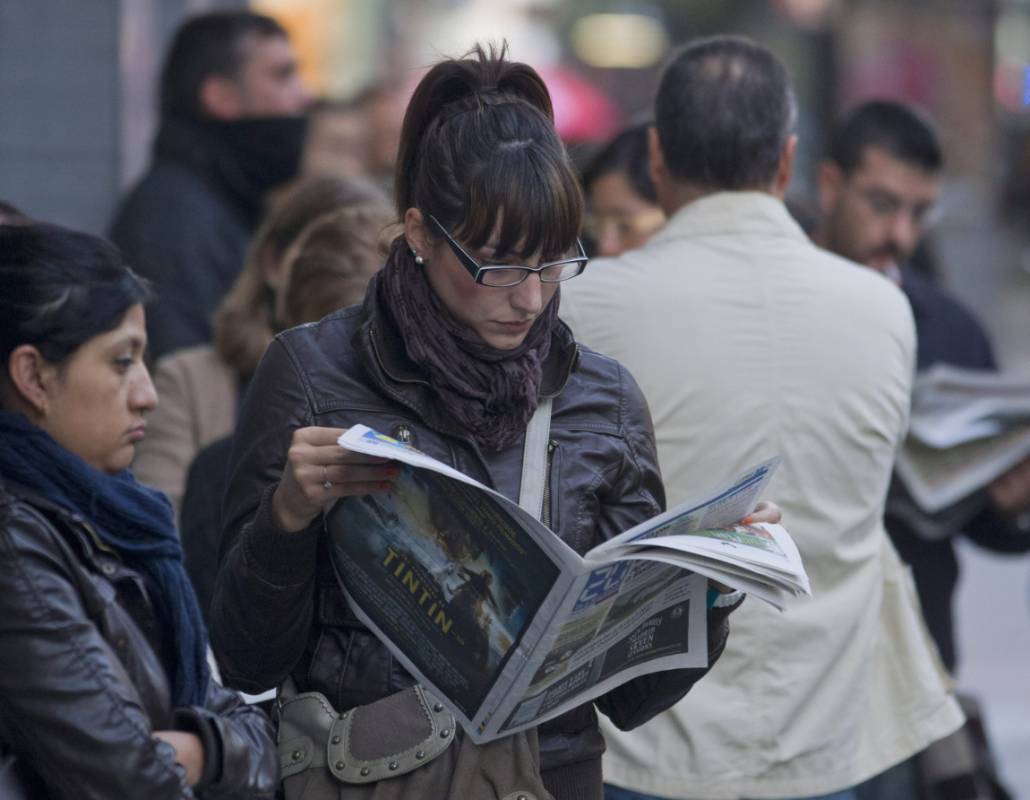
(137, 433)
(516, 327)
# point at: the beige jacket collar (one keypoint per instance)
(731, 213)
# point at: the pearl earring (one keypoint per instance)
(419, 260)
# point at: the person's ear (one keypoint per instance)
(32, 378)
(416, 234)
(829, 180)
(220, 98)
(656, 165)
(785, 169)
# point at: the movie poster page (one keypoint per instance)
(447, 575)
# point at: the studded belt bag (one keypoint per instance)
(403, 747)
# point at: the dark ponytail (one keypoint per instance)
(478, 145)
(60, 288)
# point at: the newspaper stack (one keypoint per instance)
(967, 428)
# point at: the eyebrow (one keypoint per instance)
(133, 341)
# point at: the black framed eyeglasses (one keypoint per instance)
(501, 275)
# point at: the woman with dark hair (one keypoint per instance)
(104, 684)
(456, 344)
(622, 207)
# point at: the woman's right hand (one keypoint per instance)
(319, 470)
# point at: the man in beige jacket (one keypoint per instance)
(748, 341)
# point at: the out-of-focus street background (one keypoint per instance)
(78, 112)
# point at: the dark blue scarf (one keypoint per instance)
(130, 518)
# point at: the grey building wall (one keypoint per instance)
(59, 95)
(77, 100)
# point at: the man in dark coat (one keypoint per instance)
(231, 129)
(877, 189)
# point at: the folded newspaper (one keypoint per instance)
(967, 428)
(496, 615)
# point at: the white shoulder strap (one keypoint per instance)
(534, 460)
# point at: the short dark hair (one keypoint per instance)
(905, 133)
(59, 288)
(724, 112)
(478, 144)
(10, 214)
(627, 155)
(207, 44)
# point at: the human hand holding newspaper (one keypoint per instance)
(496, 615)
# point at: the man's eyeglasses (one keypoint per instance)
(500, 275)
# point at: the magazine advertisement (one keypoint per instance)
(506, 623)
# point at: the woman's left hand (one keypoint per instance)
(189, 752)
(764, 512)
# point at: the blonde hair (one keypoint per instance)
(331, 262)
(245, 323)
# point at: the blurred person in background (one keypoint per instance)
(622, 207)
(338, 141)
(201, 387)
(231, 129)
(104, 686)
(749, 341)
(878, 188)
(328, 267)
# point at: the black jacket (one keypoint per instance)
(185, 226)
(83, 681)
(277, 609)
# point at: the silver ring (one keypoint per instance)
(326, 483)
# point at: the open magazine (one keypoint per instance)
(493, 613)
(967, 428)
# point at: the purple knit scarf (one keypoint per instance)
(492, 393)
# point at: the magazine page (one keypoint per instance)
(722, 508)
(759, 552)
(622, 620)
(449, 574)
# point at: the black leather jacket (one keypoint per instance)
(277, 609)
(82, 682)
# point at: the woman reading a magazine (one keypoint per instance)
(456, 343)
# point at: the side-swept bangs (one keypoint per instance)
(526, 200)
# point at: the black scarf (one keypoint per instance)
(492, 393)
(244, 158)
(134, 520)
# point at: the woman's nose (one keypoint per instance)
(528, 296)
(143, 396)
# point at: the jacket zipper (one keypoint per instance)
(545, 514)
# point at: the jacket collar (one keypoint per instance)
(74, 520)
(731, 213)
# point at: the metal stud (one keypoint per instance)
(420, 755)
(438, 707)
(393, 765)
(335, 740)
(364, 772)
(445, 733)
(297, 755)
(340, 765)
